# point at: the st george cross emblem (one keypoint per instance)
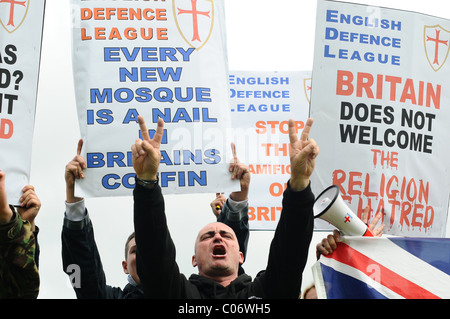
(437, 45)
(13, 13)
(195, 20)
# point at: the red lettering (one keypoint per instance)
(6, 129)
(407, 197)
(374, 87)
(263, 213)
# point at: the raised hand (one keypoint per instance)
(241, 172)
(303, 155)
(30, 204)
(217, 204)
(146, 152)
(74, 170)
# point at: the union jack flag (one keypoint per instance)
(379, 268)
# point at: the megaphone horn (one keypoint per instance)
(330, 207)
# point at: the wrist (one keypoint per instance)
(70, 196)
(147, 183)
(298, 184)
(7, 215)
(239, 196)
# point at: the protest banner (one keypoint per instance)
(379, 99)
(158, 59)
(381, 268)
(20, 54)
(261, 105)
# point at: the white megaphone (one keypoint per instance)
(330, 207)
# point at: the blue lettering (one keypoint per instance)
(165, 53)
(203, 94)
(161, 94)
(165, 158)
(107, 185)
(213, 156)
(181, 115)
(95, 160)
(193, 177)
(165, 74)
(327, 53)
(111, 55)
(149, 54)
(125, 181)
(188, 155)
(132, 56)
(181, 179)
(331, 34)
(131, 115)
(332, 16)
(128, 95)
(115, 158)
(143, 95)
(166, 177)
(104, 116)
(96, 96)
(149, 74)
(186, 54)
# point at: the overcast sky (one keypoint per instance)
(262, 35)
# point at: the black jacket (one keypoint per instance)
(162, 279)
(79, 248)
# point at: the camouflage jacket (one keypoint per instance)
(19, 275)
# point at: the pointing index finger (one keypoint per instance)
(80, 146)
(292, 132)
(233, 150)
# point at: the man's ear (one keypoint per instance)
(125, 267)
(241, 258)
(194, 261)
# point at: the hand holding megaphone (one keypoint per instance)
(330, 207)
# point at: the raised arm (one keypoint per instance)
(74, 170)
(19, 276)
(77, 238)
(155, 250)
(234, 211)
(290, 245)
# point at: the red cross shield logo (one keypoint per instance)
(437, 45)
(13, 13)
(194, 20)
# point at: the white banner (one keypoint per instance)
(380, 103)
(156, 59)
(20, 53)
(261, 105)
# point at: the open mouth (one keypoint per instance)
(219, 251)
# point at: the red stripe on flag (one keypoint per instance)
(400, 285)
